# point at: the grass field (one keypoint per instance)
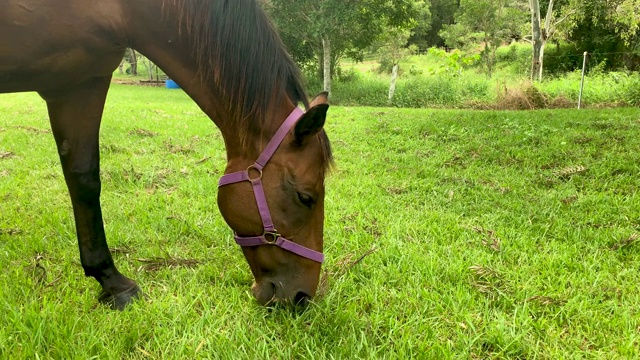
(449, 234)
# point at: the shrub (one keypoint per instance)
(631, 90)
(468, 89)
(516, 58)
(475, 89)
(525, 96)
(366, 91)
(428, 91)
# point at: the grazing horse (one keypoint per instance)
(228, 58)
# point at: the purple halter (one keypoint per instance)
(270, 235)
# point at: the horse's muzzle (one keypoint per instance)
(267, 293)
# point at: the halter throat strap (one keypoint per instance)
(253, 174)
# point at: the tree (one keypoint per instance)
(392, 48)
(427, 30)
(604, 26)
(627, 19)
(621, 16)
(131, 57)
(334, 28)
(492, 22)
(539, 36)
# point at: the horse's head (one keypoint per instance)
(282, 241)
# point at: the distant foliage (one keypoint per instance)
(516, 57)
(427, 82)
(453, 62)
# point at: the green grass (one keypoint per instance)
(449, 234)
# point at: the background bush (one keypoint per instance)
(429, 80)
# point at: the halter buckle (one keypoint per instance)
(271, 237)
(258, 170)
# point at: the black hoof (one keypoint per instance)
(120, 300)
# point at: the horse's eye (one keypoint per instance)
(305, 199)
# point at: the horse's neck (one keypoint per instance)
(153, 29)
(157, 30)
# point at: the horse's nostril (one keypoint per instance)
(301, 298)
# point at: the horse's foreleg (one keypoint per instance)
(75, 120)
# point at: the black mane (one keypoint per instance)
(238, 49)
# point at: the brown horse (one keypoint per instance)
(226, 55)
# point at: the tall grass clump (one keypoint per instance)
(411, 92)
(426, 91)
(352, 88)
(365, 91)
(631, 90)
(514, 59)
(441, 79)
(600, 89)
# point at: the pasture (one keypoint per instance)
(448, 234)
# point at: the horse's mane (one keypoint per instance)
(238, 49)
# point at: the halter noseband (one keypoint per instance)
(253, 174)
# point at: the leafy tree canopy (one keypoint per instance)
(352, 25)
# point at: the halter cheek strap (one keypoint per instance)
(253, 174)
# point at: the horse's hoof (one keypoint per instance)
(120, 300)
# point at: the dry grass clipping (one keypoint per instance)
(569, 171)
(341, 268)
(488, 281)
(547, 301)
(33, 129)
(170, 262)
(627, 243)
(491, 241)
(10, 231)
(6, 154)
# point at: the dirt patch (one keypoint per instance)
(178, 149)
(142, 132)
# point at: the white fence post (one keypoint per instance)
(584, 65)
(394, 77)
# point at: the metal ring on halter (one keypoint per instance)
(253, 167)
(273, 234)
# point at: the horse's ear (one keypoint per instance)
(311, 123)
(321, 98)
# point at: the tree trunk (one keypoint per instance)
(542, 46)
(326, 47)
(394, 77)
(540, 36)
(547, 32)
(134, 63)
(536, 41)
(488, 54)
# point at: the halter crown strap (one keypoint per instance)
(253, 174)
